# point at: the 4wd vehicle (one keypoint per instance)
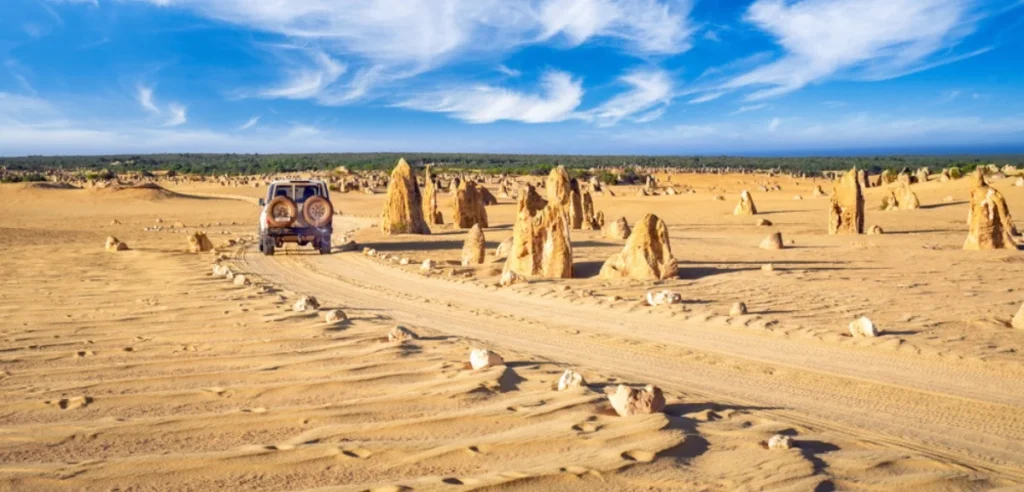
(296, 212)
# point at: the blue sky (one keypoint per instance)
(524, 76)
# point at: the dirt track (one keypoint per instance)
(969, 414)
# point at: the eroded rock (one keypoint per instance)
(647, 254)
(403, 204)
(628, 401)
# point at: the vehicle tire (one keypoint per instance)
(317, 211)
(287, 207)
(267, 246)
(325, 245)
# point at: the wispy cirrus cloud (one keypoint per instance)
(250, 123)
(559, 96)
(647, 88)
(855, 39)
(748, 108)
(144, 95)
(383, 43)
(177, 113)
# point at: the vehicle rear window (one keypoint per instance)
(298, 192)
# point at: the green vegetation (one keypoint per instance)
(23, 178)
(235, 164)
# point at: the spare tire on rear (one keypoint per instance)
(317, 211)
(282, 212)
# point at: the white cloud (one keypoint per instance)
(710, 96)
(646, 25)
(308, 82)
(648, 88)
(251, 123)
(747, 109)
(388, 42)
(511, 72)
(950, 96)
(860, 39)
(774, 124)
(144, 95)
(651, 115)
(560, 96)
(178, 116)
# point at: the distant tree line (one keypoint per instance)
(239, 164)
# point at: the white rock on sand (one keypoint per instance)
(510, 278)
(628, 401)
(663, 297)
(304, 303)
(863, 327)
(333, 316)
(779, 441)
(483, 358)
(400, 334)
(241, 281)
(427, 265)
(570, 379)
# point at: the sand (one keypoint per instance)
(139, 370)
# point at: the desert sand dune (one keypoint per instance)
(138, 369)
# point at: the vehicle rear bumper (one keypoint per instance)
(290, 234)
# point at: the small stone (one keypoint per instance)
(663, 297)
(738, 309)
(427, 265)
(779, 441)
(483, 358)
(570, 379)
(768, 267)
(774, 241)
(240, 281)
(510, 278)
(628, 401)
(876, 230)
(333, 316)
(304, 303)
(401, 334)
(863, 327)
(764, 222)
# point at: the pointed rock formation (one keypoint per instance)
(486, 196)
(846, 210)
(991, 226)
(617, 229)
(746, 205)
(540, 238)
(403, 205)
(468, 206)
(647, 254)
(576, 216)
(1018, 319)
(589, 220)
(198, 242)
(558, 188)
(431, 213)
(473, 250)
(774, 241)
(907, 198)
